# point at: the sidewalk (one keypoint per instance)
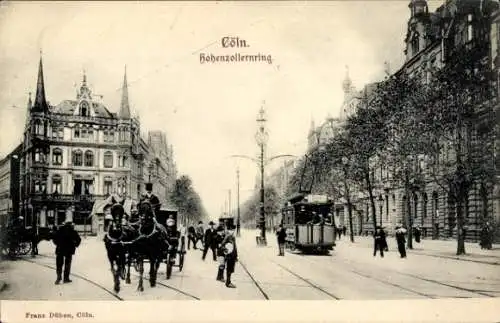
(437, 248)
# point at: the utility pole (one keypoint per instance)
(229, 208)
(238, 202)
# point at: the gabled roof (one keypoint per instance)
(67, 107)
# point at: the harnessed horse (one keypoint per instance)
(151, 245)
(115, 240)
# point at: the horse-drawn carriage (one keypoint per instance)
(177, 242)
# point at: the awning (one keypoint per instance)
(99, 205)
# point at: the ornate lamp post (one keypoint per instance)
(261, 137)
(381, 205)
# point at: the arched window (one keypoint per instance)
(56, 184)
(57, 156)
(77, 158)
(108, 159)
(84, 109)
(38, 127)
(89, 158)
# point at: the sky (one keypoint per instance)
(207, 110)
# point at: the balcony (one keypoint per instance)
(81, 119)
(70, 198)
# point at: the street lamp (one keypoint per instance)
(262, 137)
(381, 204)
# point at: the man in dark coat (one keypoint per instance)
(191, 237)
(66, 240)
(281, 235)
(401, 241)
(379, 241)
(210, 242)
(152, 198)
(228, 253)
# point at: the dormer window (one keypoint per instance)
(84, 109)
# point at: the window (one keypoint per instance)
(77, 158)
(108, 187)
(57, 133)
(415, 46)
(109, 136)
(108, 159)
(57, 156)
(89, 158)
(84, 109)
(77, 133)
(470, 28)
(39, 156)
(38, 127)
(56, 184)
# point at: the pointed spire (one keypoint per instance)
(30, 103)
(347, 83)
(40, 100)
(124, 106)
(84, 82)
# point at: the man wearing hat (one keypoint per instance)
(210, 241)
(153, 199)
(66, 240)
(227, 253)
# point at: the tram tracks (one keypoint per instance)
(109, 291)
(427, 295)
(105, 288)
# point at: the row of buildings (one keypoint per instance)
(76, 154)
(431, 37)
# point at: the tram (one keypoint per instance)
(309, 224)
(227, 222)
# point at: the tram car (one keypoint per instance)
(309, 224)
(175, 256)
(227, 222)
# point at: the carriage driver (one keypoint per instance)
(153, 199)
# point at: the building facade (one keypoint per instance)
(9, 186)
(78, 152)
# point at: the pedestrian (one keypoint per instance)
(217, 240)
(229, 251)
(401, 241)
(66, 240)
(485, 239)
(417, 234)
(344, 230)
(200, 233)
(191, 237)
(281, 235)
(210, 241)
(379, 237)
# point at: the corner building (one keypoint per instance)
(77, 153)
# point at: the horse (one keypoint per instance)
(152, 244)
(115, 239)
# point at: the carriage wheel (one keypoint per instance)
(24, 248)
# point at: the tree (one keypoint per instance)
(250, 209)
(461, 97)
(187, 200)
(366, 130)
